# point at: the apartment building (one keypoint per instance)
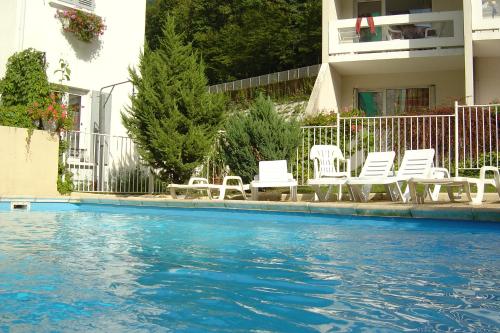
(94, 66)
(388, 57)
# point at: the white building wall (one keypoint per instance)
(9, 31)
(449, 85)
(487, 76)
(93, 65)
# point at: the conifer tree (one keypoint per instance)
(172, 117)
(260, 134)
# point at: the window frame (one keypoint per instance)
(431, 89)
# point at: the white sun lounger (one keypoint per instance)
(378, 165)
(460, 183)
(202, 184)
(194, 183)
(416, 163)
(327, 160)
(273, 174)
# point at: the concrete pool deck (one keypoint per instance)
(489, 211)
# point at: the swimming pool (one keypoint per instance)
(115, 269)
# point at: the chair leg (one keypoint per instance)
(293, 191)
(318, 196)
(255, 193)
(222, 193)
(413, 192)
(478, 199)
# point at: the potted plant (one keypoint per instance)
(85, 26)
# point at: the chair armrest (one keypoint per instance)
(484, 169)
(197, 180)
(347, 163)
(440, 173)
(290, 176)
(228, 178)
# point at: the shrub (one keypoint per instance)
(15, 116)
(260, 134)
(173, 118)
(25, 80)
(85, 26)
(52, 114)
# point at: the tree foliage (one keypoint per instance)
(25, 80)
(261, 134)
(172, 118)
(240, 38)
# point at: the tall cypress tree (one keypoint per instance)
(172, 118)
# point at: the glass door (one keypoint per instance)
(371, 103)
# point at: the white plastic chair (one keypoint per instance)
(416, 163)
(327, 160)
(461, 183)
(273, 174)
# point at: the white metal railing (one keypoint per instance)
(398, 32)
(477, 133)
(265, 80)
(105, 163)
(463, 140)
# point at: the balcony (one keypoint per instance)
(417, 32)
(486, 19)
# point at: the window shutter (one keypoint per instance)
(86, 4)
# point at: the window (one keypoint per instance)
(371, 102)
(490, 8)
(395, 7)
(85, 4)
(390, 102)
(75, 105)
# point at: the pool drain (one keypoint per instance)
(18, 205)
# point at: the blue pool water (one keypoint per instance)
(115, 269)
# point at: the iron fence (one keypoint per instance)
(268, 79)
(106, 163)
(464, 140)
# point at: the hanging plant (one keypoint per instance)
(85, 26)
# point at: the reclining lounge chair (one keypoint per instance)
(416, 163)
(461, 183)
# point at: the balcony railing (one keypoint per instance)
(485, 15)
(397, 33)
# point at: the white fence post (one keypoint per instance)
(338, 129)
(456, 139)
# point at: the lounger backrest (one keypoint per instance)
(325, 159)
(273, 171)
(416, 163)
(378, 165)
